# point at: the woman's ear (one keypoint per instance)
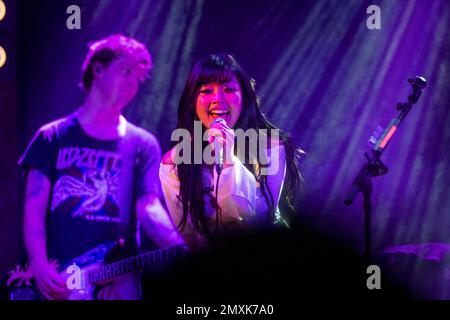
(97, 69)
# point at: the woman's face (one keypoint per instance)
(219, 100)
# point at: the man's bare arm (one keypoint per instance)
(36, 202)
(157, 222)
(49, 282)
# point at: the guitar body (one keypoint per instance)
(79, 286)
(75, 272)
(85, 273)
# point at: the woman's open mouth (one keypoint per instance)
(219, 113)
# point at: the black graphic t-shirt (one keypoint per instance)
(94, 182)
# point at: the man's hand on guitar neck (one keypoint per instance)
(49, 282)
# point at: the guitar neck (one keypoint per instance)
(118, 268)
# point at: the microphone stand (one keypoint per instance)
(375, 167)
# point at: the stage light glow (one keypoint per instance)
(2, 10)
(2, 57)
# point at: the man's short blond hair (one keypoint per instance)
(110, 48)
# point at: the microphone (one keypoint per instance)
(218, 151)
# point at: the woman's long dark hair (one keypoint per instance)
(219, 68)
